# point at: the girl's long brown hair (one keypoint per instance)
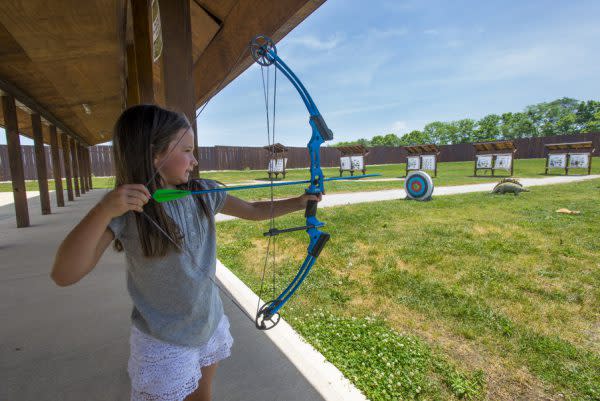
(141, 133)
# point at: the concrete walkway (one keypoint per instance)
(63, 344)
(72, 343)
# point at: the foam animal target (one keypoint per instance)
(418, 186)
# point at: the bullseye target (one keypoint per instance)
(418, 186)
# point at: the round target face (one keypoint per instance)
(418, 185)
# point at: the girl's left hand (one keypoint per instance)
(307, 197)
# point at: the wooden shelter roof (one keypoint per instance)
(353, 150)
(588, 146)
(495, 146)
(275, 148)
(420, 149)
(68, 57)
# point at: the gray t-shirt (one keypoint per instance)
(173, 298)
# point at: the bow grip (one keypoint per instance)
(311, 208)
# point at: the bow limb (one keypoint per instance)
(265, 53)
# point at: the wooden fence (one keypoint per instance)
(256, 158)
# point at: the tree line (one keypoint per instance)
(559, 117)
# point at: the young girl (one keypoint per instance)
(179, 331)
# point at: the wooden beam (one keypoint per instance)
(75, 167)
(67, 162)
(40, 162)
(142, 32)
(24, 98)
(178, 63)
(248, 18)
(15, 159)
(133, 92)
(56, 173)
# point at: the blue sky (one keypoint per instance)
(393, 66)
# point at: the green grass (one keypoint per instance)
(501, 291)
(454, 173)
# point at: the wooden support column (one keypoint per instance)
(40, 162)
(142, 37)
(178, 62)
(133, 93)
(81, 168)
(89, 163)
(75, 166)
(56, 173)
(67, 162)
(15, 159)
(84, 173)
(85, 168)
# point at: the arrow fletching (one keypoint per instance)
(166, 195)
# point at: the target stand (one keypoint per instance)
(418, 186)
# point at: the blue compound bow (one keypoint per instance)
(264, 53)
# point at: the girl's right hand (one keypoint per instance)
(125, 198)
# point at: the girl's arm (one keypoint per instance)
(84, 245)
(262, 210)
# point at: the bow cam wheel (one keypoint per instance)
(266, 320)
(260, 47)
(418, 186)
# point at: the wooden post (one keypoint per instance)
(56, 173)
(475, 167)
(133, 93)
(15, 159)
(40, 162)
(75, 166)
(67, 162)
(178, 63)
(82, 183)
(590, 162)
(512, 164)
(89, 163)
(142, 32)
(547, 162)
(87, 169)
(567, 164)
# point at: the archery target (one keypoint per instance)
(418, 185)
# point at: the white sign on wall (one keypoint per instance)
(413, 163)
(345, 163)
(558, 160)
(357, 162)
(277, 165)
(428, 162)
(484, 161)
(503, 162)
(579, 160)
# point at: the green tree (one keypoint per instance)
(516, 125)
(385, 140)
(546, 116)
(361, 141)
(439, 132)
(488, 128)
(587, 117)
(465, 130)
(415, 137)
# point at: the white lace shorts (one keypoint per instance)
(160, 371)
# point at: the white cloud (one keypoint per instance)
(398, 126)
(386, 33)
(315, 43)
